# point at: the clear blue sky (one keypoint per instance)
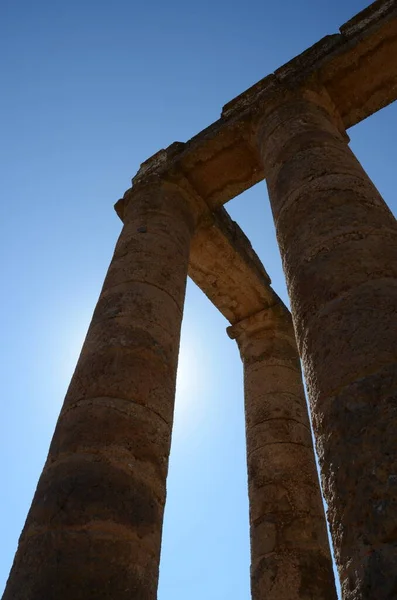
(90, 89)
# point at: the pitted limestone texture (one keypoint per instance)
(338, 242)
(94, 528)
(290, 554)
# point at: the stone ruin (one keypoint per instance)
(94, 528)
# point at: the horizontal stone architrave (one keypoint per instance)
(357, 67)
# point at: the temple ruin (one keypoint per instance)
(94, 528)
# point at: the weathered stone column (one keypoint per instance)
(338, 242)
(94, 528)
(290, 554)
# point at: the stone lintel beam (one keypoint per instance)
(358, 68)
(227, 269)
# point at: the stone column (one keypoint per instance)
(290, 554)
(94, 528)
(338, 242)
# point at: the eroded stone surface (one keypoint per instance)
(290, 555)
(226, 268)
(94, 527)
(109, 453)
(338, 241)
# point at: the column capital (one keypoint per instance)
(293, 120)
(310, 93)
(274, 318)
(258, 333)
(284, 88)
(162, 171)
